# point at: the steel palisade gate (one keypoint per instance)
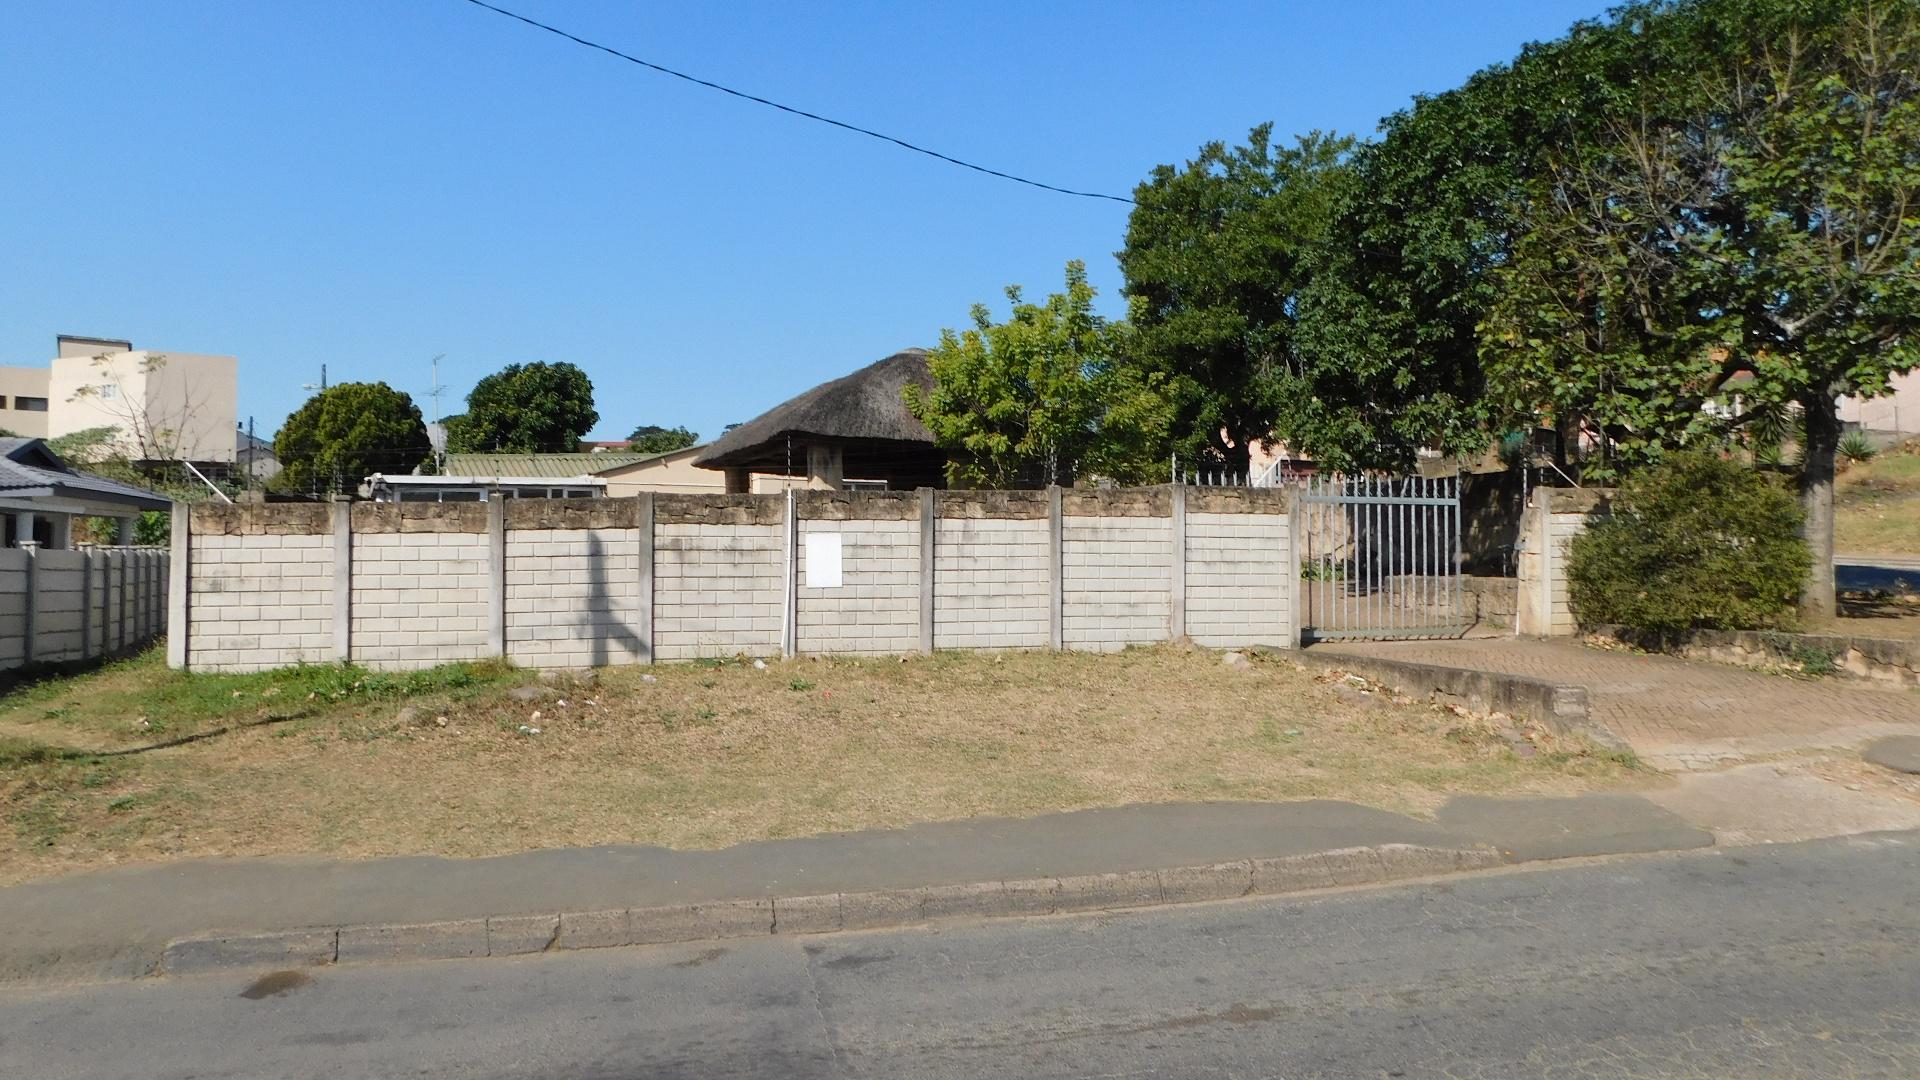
(1380, 557)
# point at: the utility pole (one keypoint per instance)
(434, 390)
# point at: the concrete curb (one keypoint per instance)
(823, 914)
(1563, 708)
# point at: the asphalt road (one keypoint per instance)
(1800, 960)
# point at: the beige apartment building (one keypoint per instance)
(165, 405)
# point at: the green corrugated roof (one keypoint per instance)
(538, 465)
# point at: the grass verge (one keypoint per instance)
(463, 761)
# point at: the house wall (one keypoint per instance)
(1898, 411)
(190, 398)
(572, 583)
(68, 606)
(674, 474)
(19, 382)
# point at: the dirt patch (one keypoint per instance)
(706, 755)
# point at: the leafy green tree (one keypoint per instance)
(1742, 202)
(525, 409)
(653, 439)
(347, 432)
(1038, 398)
(1695, 542)
(1217, 256)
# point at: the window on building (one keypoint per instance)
(30, 404)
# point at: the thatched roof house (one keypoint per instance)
(856, 427)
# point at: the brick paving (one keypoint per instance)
(1679, 713)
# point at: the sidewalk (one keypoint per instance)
(116, 923)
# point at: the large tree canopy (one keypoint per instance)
(347, 432)
(525, 409)
(1743, 200)
(1217, 255)
(1040, 398)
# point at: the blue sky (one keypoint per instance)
(367, 184)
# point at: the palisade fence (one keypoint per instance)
(588, 582)
(67, 606)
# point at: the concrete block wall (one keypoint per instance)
(573, 597)
(1116, 581)
(876, 608)
(260, 601)
(418, 599)
(571, 583)
(1554, 518)
(1241, 576)
(64, 606)
(990, 583)
(719, 588)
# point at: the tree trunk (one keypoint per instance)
(1816, 498)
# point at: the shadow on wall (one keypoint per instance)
(611, 627)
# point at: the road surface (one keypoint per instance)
(1794, 960)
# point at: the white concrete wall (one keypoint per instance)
(573, 597)
(719, 590)
(69, 620)
(1116, 577)
(572, 584)
(419, 598)
(990, 583)
(876, 608)
(259, 602)
(1238, 587)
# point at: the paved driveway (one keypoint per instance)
(1679, 713)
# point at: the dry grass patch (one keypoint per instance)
(706, 755)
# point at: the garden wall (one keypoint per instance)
(61, 607)
(1553, 519)
(576, 583)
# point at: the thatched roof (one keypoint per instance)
(864, 407)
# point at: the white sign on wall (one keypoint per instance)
(823, 561)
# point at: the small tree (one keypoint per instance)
(654, 439)
(347, 432)
(525, 409)
(1022, 402)
(1696, 542)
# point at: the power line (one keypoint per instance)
(697, 81)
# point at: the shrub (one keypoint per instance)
(1696, 542)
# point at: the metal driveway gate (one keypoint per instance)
(1380, 558)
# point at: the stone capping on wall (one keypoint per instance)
(1232, 500)
(262, 519)
(371, 517)
(1580, 500)
(313, 519)
(719, 509)
(858, 505)
(1117, 502)
(1007, 505)
(628, 513)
